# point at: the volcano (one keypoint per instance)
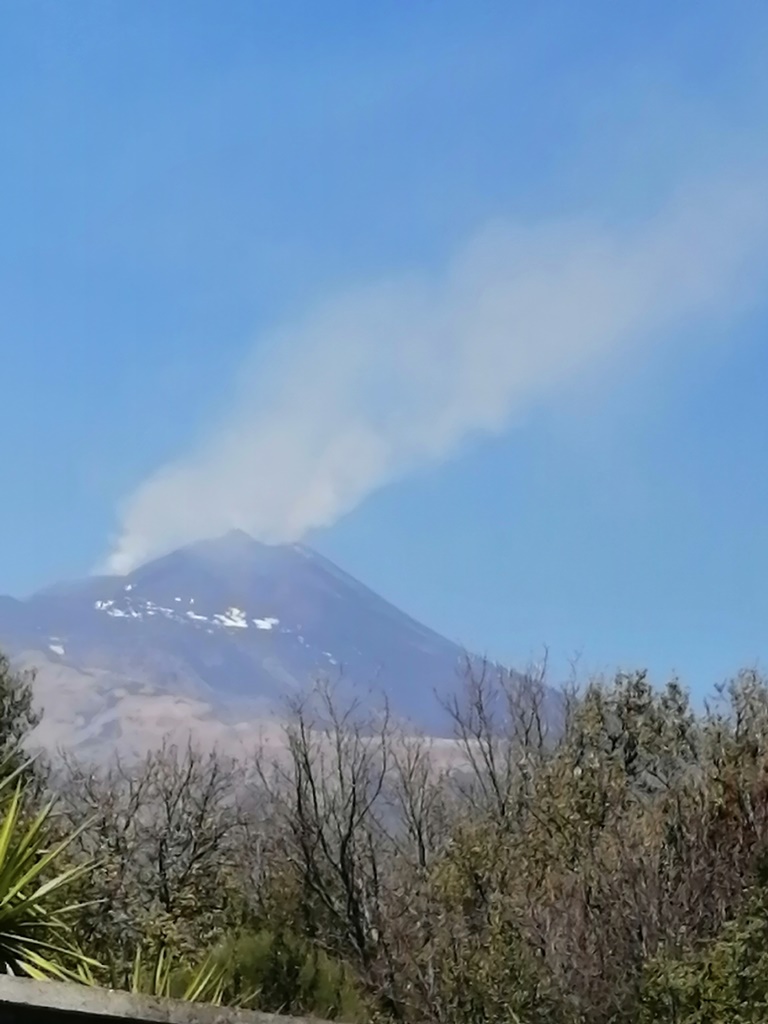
(213, 639)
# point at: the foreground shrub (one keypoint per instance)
(35, 925)
(284, 973)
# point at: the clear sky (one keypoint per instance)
(471, 293)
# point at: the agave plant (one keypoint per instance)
(161, 978)
(205, 985)
(35, 933)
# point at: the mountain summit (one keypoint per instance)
(215, 636)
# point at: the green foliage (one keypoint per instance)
(17, 713)
(203, 984)
(611, 873)
(18, 716)
(724, 981)
(483, 969)
(170, 846)
(284, 973)
(35, 928)
(164, 976)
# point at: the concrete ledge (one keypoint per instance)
(23, 1001)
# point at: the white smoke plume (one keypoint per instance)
(388, 378)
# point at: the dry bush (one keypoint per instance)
(551, 869)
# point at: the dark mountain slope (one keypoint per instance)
(233, 625)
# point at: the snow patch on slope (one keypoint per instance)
(234, 618)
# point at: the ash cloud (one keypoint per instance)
(383, 380)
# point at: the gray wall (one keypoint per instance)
(50, 1002)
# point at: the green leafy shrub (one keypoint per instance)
(724, 981)
(281, 972)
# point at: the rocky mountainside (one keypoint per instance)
(211, 639)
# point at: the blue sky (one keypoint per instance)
(185, 184)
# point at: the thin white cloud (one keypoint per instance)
(385, 379)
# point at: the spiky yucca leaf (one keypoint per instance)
(34, 933)
(206, 985)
